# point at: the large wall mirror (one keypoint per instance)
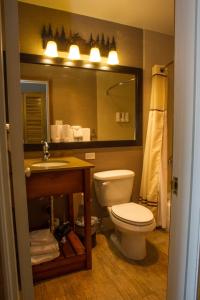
(80, 106)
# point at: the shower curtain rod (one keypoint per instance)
(118, 84)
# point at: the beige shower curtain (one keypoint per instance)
(153, 192)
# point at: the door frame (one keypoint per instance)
(185, 220)
(11, 40)
(7, 240)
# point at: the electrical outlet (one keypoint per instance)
(90, 155)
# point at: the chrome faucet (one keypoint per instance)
(45, 150)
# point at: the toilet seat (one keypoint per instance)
(133, 214)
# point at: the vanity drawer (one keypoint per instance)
(54, 183)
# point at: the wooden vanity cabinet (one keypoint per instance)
(73, 255)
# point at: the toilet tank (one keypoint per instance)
(113, 187)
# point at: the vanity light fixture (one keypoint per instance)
(112, 55)
(74, 53)
(95, 49)
(51, 49)
(49, 43)
(113, 58)
(95, 55)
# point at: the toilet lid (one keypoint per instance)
(132, 213)
(113, 174)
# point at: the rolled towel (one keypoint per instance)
(41, 236)
(68, 134)
(38, 259)
(86, 134)
(56, 133)
(41, 249)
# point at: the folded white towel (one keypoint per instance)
(41, 236)
(38, 259)
(77, 130)
(44, 249)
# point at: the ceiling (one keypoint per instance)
(155, 15)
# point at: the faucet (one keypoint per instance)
(45, 150)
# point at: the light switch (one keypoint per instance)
(90, 155)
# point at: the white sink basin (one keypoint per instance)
(50, 164)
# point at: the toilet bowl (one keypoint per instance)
(113, 190)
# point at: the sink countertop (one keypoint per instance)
(72, 163)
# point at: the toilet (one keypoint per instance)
(113, 190)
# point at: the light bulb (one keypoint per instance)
(51, 49)
(95, 55)
(113, 58)
(74, 52)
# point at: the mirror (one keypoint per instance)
(83, 104)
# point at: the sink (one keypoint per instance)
(50, 164)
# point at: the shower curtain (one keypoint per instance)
(153, 191)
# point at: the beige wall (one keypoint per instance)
(136, 48)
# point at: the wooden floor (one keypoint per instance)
(113, 277)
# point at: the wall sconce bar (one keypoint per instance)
(74, 44)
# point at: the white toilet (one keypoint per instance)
(131, 220)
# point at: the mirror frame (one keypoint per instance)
(62, 62)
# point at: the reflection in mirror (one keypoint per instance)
(35, 97)
(94, 105)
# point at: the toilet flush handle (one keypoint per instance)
(105, 183)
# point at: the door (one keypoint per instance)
(185, 220)
(16, 172)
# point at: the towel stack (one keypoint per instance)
(43, 246)
(67, 133)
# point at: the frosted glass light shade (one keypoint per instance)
(51, 49)
(113, 58)
(74, 52)
(95, 55)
